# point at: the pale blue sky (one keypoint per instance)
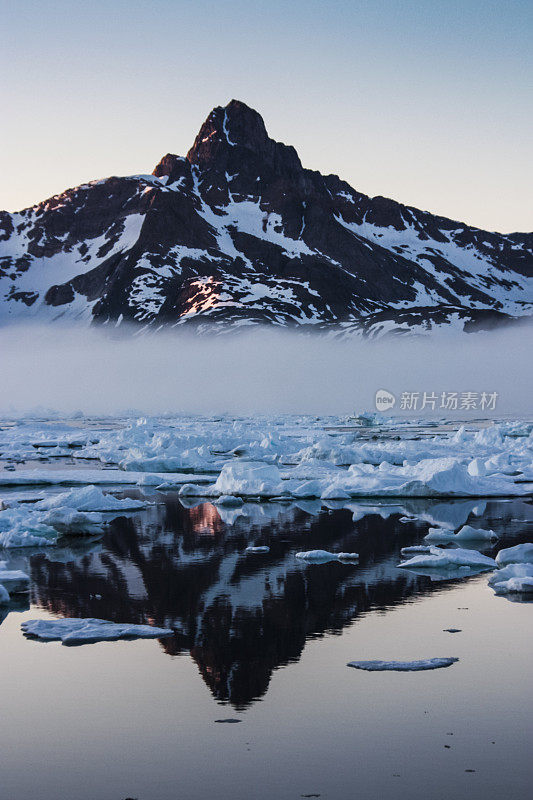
(426, 102)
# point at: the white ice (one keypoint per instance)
(403, 666)
(519, 554)
(321, 556)
(450, 559)
(85, 631)
(14, 581)
(514, 578)
(90, 498)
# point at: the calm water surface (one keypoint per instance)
(264, 639)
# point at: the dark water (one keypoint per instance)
(148, 719)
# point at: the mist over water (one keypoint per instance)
(263, 371)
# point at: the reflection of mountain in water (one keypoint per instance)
(241, 616)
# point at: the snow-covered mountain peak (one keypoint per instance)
(239, 233)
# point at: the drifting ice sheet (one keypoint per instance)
(321, 556)
(86, 631)
(450, 559)
(513, 579)
(90, 498)
(519, 554)
(403, 666)
(14, 580)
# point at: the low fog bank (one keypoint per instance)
(263, 370)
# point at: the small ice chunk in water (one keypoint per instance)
(4, 595)
(258, 549)
(403, 666)
(321, 556)
(415, 548)
(519, 554)
(73, 630)
(229, 500)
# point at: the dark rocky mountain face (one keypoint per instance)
(239, 233)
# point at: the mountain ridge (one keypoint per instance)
(238, 232)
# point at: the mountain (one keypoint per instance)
(239, 233)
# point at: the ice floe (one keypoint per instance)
(248, 478)
(403, 666)
(466, 534)
(14, 581)
(258, 549)
(90, 498)
(85, 631)
(83, 477)
(321, 556)
(289, 456)
(454, 558)
(519, 554)
(76, 512)
(514, 578)
(229, 500)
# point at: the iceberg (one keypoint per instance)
(73, 630)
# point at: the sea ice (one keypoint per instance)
(229, 500)
(466, 534)
(4, 595)
(441, 535)
(450, 559)
(26, 526)
(403, 666)
(513, 578)
(415, 548)
(14, 580)
(258, 549)
(90, 498)
(519, 554)
(321, 556)
(249, 478)
(85, 631)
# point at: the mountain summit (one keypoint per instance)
(239, 233)
(236, 136)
